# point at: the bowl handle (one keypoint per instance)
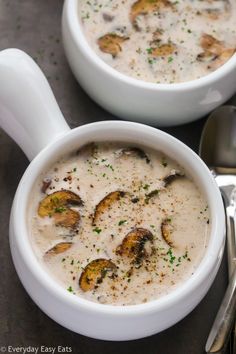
(29, 112)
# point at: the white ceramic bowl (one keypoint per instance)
(29, 113)
(128, 98)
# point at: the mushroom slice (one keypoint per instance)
(143, 7)
(106, 203)
(57, 205)
(163, 50)
(214, 49)
(135, 245)
(52, 202)
(174, 174)
(226, 54)
(211, 44)
(223, 57)
(111, 43)
(206, 57)
(134, 151)
(166, 231)
(68, 218)
(94, 273)
(213, 14)
(215, 9)
(59, 248)
(151, 194)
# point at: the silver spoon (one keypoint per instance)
(218, 150)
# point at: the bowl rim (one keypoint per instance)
(21, 236)
(71, 13)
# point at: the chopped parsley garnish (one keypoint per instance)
(86, 16)
(110, 166)
(170, 59)
(59, 209)
(149, 50)
(172, 257)
(152, 193)
(54, 199)
(97, 230)
(148, 196)
(121, 222)
(70, 289)
(164, 163)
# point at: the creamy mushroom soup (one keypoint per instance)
(118, 224)
(161, 41)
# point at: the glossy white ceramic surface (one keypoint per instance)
(25, 98)
(82, 316)
(128, 98)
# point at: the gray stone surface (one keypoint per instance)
(34, 26)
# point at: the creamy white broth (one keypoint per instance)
(93, 173)
(175, 42)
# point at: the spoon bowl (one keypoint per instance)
(218, 142)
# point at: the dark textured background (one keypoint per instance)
(34, 26)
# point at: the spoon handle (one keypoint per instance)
(229, 196)
(231, 240)
(224, 319)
